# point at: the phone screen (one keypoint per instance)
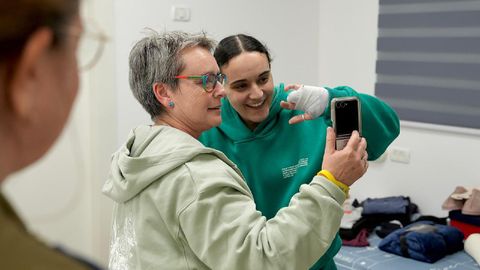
(346, 117)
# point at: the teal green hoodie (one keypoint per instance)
(276, 158)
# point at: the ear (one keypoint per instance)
(25, 77)
(162, 93)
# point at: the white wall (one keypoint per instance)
(440, 158)
(289, 28)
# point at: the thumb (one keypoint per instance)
(293, 97)
(330, 141)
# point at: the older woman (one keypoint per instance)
(180, 205)
(38, 41)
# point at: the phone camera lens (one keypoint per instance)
(341, 105)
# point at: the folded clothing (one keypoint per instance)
(350, 216)
(386, 205)
(387, 228)
(404, 218)
(371, 219)
(434, 219)
(362, 223)
(465, 228)
(469, 219)
(361, 240)
(370, 222)
(423, 241)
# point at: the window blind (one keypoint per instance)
(428, 62)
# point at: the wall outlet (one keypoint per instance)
(398, 154)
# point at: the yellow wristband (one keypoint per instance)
(332, 179)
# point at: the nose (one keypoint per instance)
(256, 92)
(219, 90)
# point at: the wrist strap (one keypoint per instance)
(332, 179)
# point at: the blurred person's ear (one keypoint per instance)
(26, 76)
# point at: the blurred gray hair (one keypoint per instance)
(157, 58)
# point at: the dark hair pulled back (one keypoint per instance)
(234, 45)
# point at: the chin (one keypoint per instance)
(215, 122)
(260, 116)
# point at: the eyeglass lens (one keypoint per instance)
(91, 45)
(210, 81)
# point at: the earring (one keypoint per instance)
(171, 104)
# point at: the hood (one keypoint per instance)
(149, 153)
(233, 126)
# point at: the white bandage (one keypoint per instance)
(310, 99)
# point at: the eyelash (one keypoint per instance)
(239, 86)
(263, 80)
(260, 81)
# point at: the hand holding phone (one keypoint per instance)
(346, 117)
(348, 165)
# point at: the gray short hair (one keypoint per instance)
(157, 58)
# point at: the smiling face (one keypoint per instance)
(196, 110)
(249, 86)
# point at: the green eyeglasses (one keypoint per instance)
(209, 81)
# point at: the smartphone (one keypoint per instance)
(346, 117)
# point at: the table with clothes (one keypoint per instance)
(389, 233)
(372, 258)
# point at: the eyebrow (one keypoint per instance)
(244, 80)
(211, 72)
(200, 73)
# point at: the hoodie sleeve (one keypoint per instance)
(380, 123)
(225, 231)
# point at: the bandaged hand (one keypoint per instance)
(311, 99)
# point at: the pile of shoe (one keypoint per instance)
(464, 209)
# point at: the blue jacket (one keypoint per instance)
(423, 241)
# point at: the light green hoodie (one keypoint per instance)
(180, 205)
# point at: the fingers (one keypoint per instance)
(294, 97)
(365, 160)
(362, 146)
(291, 101)
(354, 140)
(292, 87)
(362, 149)
(359, 146)
(330, 141)
(300, 118)
(349, 164)
(287, 105)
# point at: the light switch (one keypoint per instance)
(398, 154)
(181, 14)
